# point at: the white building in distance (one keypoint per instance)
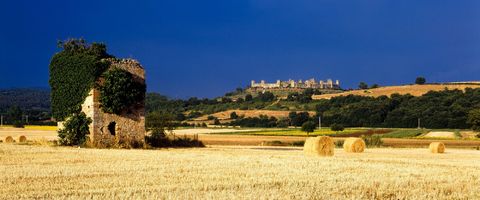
(311, 83)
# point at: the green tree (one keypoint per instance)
(474, 119)
(211, 117)
(75, 130)
(14, 115)
(248, 97)
(240, 100)
(420, 80)
(283, 123)
(159, 124)
(362, 85)
(297, 119)
(374, 86)
(233, 115)
(180, 117)
(308, 127)
(266, 96)
(337, 127)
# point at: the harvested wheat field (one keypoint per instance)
(236, 173)
(440, 134)
(32, 132)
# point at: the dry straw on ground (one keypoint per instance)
(22, 139)
(321, 146)
(437, 147)
(8, 139)
(234, 172)
(354, 145)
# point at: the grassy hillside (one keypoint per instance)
(225, 115)
(415, 90)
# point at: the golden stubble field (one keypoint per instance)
(235, 173)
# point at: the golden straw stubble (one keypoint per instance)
(437, 147)
(319, 146)
(354, 145)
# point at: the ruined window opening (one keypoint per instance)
(111, 128)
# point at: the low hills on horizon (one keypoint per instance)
(38, 98)
(35, 102)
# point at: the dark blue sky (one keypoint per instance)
(206, 48)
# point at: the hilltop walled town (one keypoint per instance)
(311, 83)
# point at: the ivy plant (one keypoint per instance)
(73, 73)
(120, 91)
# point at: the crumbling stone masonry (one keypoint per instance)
(109, 129)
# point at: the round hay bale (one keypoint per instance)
(319, 146)
(354, 145)
(8, 139)
(437, 147)
(22, 139)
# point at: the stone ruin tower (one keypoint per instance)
(108, 129)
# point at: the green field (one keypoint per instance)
(297, 132)
(405, 133)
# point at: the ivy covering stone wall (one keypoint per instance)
(73, 73)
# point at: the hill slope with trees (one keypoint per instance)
(415, 90)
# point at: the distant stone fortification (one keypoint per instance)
(311, 83)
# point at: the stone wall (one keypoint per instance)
(111, 129)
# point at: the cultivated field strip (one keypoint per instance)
(235, 173)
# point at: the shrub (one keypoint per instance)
(248, 97)
(298, 143)
(75, 130)
(157, 139)
(265, 96)
(283, 123)
(233, 115)
(261, 121)
(337, 127)
(186, 142)
(308, 127)
(362, 85)
(474, 119)
(120, 91)
(194, 114)
(273, 143)
(420, 80)
(210, 117)
(339, 143)
(373, 140)
(297, 119)
(18, 124)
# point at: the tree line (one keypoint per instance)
(435, 109)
